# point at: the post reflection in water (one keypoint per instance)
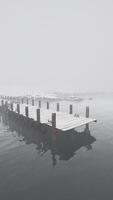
(61, 144)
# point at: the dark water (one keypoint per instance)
(50, 166)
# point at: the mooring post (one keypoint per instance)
(54, 120)
(58, 107)
(26, 111)
(38, 115)
(39, 104)
(87, 111)
(71, 109)
(18, 108)
(11, 106)
(33, 102)
(47, 105)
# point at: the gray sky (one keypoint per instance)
(58, 45)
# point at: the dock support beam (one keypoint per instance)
(38, 115)
(54, 120)
(58, 107)
(11, 106)
(18, 108)
(26, 111)
(47, 105)
(39, 104)
(87, 111)
(71, 109)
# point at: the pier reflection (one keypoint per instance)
(62, 145)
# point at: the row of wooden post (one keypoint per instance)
(48, 105)
(37, 114)
(27, 112)
(58, 107)
(38, 111)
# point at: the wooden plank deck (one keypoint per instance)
(64, 121)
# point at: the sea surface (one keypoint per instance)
(78, 165)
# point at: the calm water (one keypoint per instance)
(46, 166)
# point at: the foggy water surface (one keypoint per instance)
(46, 166)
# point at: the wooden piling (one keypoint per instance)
(11, 106)
(38, 115)
(26, 111)
(54, 120)
(39, 104)
(18, 108)
(58, 107)
(87, 111)
(47, 105)
(71, 109)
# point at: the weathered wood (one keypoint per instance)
(87, 111)
(71, 109)
(11, 106)
(38, 115)
(47, 105)
(58, 107)
(26, 111)
(18, 108)
(54, 120)
(59, 120)
(39, 103)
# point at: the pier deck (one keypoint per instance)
(64, 121)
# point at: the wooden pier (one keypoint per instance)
(63, 145)
(57, 119)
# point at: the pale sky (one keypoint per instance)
(58, 45)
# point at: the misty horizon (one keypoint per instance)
(18, 91)
(56, 46)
